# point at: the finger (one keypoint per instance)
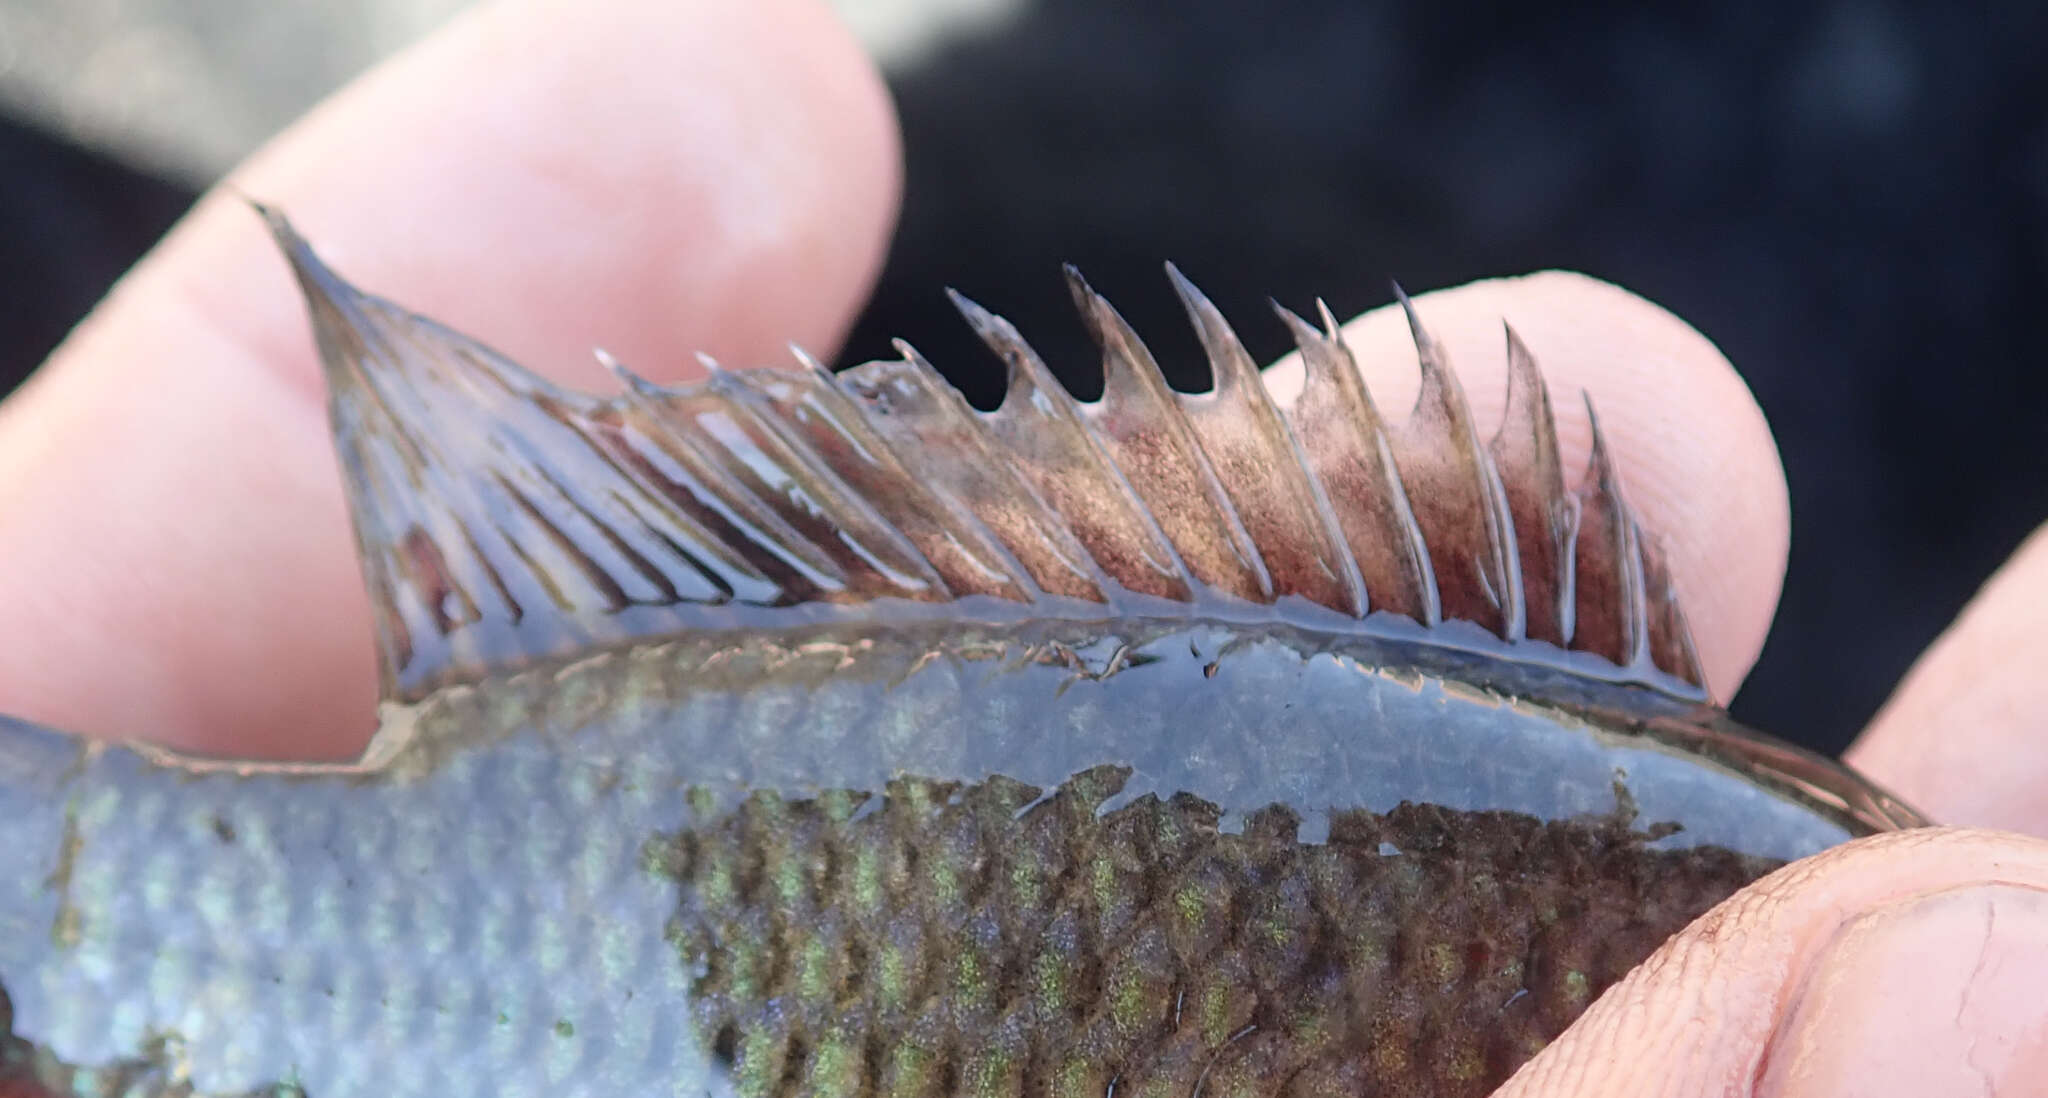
(1696, 458)
(1908, 964)
(662, 176)
(1965, 736)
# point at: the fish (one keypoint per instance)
(793, 733)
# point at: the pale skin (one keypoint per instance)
(678, 176)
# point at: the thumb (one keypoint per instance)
(1905, 964)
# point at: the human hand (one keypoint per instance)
(683, 176)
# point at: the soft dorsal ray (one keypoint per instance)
(504, 521)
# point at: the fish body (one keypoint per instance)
(792, 735)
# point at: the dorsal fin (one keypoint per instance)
(1353, 461)
(1457, 498)
(1546, 517)
(1048, 438)
(1140, 424)
(1261, 467)
(502, 520)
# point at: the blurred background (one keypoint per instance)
(1849, 197)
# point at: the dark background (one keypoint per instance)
(1851, 199)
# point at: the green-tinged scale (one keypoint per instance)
(801, 735)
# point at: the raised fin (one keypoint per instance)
(1613, 611)
(1351, 459)
(1042, 429)
(1139, 424)
(1260, 466)
(502, 520)
(1546, 517)
(1625, 602)
(1671, 646)
(1457, 497)
(835, 428)
(938, 435)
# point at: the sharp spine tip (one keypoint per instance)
(914, 357)
(1601, 459)
(1197, 303)
(1095, 310)
(1297, 325)
(297, 251)
(986, 324)
(1207, 319)
(1000, 337)
(1426, 349)
(807, 360)
(1425, 344)
(1332, 330)
(1085, 297)
(1522, 369)
(264, 210)
(1520, 357)
(1318, 352)
(1229, 363)
(634, 383)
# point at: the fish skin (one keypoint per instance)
(974, 846)
(577, 878)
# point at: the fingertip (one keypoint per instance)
(1962, 737)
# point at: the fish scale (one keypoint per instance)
(1206, 938)
(802, 735)
(583, 899)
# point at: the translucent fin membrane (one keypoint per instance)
(502, 519)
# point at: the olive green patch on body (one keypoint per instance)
(1039, 944)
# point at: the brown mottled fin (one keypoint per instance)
(1545, 516)
(1457, 497)
(503, 520)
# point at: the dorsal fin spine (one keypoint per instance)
(1618, 540)
(1476, 529)
(1380, 525)
(1140, 418)
(964, 551)
(1262, 470)
(1075, 473)
(691, 471)
(863, 531)
(1052, 559)
(1545, 515)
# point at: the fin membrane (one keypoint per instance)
(502, 519)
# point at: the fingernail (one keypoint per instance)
(1941, 994)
